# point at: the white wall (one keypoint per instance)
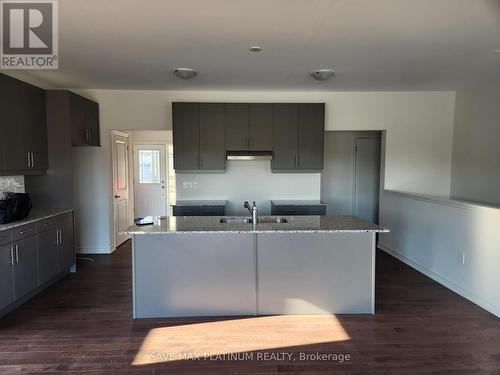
(250, 181)
(428, 233)
(476, 153)
(418, 156)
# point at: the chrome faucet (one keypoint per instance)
(253, 211)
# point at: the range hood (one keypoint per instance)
(249, 155)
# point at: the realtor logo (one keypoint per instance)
(29, 35)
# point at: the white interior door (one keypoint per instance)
(120, 184)
(367, 179)
(150, 176)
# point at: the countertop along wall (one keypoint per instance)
(418, 140)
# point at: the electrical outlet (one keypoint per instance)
(461, 257)
(187, 185)
(195, 185)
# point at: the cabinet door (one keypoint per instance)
(236, 126)
(6, 276)
(14, 137)
(212, 152)
(77, 120)
(261, 127)
(311, 136)
(48, 263)
(92, 123)
(66, 247)
(285, 136)
(186, 134)
(36, 124)
(25, 266)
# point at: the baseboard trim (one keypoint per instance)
(488, 306)
(93, 250)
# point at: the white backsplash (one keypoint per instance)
(248, 181)
(18, 179)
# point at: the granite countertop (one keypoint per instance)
(200, 203)
(36, 215)
(295, 224)
(298, 202)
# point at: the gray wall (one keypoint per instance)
(476, 145)
(337, 177)
(247, 181)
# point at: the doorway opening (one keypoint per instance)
(352, 174)
(143, 176)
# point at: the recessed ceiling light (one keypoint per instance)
(255, 49)
(185, 73)
(322, 74)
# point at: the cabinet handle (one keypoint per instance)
(88, 135)
(60, 236)
(12, 255)
(57, 237)
(295, 160)
(28, 159)
(298, 161)
(32, 159)
(17, 254)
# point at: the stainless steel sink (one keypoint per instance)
(272, 220)
(247, 220)
(235, 220)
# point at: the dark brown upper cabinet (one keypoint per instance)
(66, 109)
(298, 133)
(198, 134)
(248, 126)
(84, 120)
(203, 132)
(23, 134)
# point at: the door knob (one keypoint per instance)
(117, 196)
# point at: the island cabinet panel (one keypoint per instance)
(316, 273)
(23, 137)
(285, 136)
(194, 275)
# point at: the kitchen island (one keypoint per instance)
(210, 266)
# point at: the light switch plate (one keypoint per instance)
(187, 185)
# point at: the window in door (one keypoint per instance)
(149, 166)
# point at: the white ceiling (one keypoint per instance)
(371, 44)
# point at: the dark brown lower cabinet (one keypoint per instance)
(66, 252)
(25, 266)
(28, 263)
(48, 250)
(6, 276)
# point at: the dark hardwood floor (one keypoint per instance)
(83, 325)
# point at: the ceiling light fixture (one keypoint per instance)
(255, 49)
(322, 74)
(185, 73)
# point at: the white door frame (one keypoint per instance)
(119, 239)
(164, 172)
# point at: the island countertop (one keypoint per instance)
(294, 224)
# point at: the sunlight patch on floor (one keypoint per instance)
(203, 340)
